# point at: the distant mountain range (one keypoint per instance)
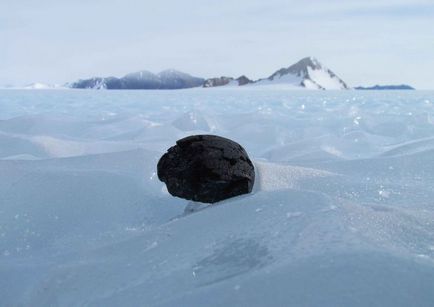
(385, 87)
(308, 73)
(142, 80)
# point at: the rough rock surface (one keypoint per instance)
(206, 168)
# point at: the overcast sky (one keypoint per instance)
(363, 42)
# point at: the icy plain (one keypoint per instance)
(342, 212)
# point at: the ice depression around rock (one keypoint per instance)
(206, 168)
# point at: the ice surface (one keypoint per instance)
(342, 211)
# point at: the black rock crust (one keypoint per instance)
(206, 168)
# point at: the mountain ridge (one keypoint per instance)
(378, 87)
(307, 73)
(166, 79)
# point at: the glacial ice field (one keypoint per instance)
(342, 212)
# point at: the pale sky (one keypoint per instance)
(363, 42)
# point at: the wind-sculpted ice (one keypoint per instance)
(341, 213)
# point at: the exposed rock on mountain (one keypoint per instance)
(243, 80)
(222, 81)
(173, 79)
(213, 82)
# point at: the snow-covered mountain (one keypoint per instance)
(167, 79)
(307, 73)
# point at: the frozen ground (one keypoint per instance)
(342, 212)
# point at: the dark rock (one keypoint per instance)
(222, 81)
(243, 80)
(206, 168)
(213, 82)
(386, 87)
